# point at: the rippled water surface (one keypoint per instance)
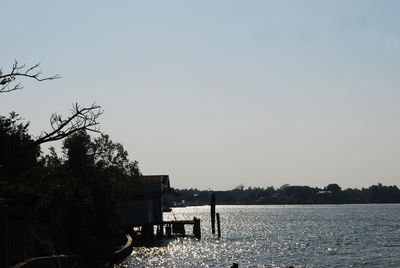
(280, 236)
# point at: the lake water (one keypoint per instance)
(282, 236)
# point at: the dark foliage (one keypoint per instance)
(18, 164)
(90, 183)
(73, 203)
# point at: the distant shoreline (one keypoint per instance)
(204, 205)
(289, 195)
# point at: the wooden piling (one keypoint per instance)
(196, 228)
(218, 225)
(160, 230)
(147, 232)
(168, 230)
(178, 227)
(212, 204)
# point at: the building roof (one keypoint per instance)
(153, 183)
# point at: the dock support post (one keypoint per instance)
(178, 228)
(160, 230)
(196, 228)
(212, 204)
(218, 225)
(168, 230)
(161, 226)
(148, 232)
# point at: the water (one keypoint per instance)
(281, 236)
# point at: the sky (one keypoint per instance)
(221, 93)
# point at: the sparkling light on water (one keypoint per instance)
(279, 236)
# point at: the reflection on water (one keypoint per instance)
(280, 236)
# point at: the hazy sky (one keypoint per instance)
(222, 93)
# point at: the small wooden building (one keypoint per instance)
(145, 207)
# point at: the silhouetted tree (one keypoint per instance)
(81, 118)
(9, 82)
(383, 194)
(48, 188)
(333, 188)
(18, 152)
(18, 166)
(94, 178)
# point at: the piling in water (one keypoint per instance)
(212, 204)
(196, 228)
(218, 225)
(168, 230)
(178, 227)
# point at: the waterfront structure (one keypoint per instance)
(145, 208)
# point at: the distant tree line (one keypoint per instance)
(288, 194)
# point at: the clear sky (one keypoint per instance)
(222, 93)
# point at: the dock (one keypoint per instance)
(177, 227)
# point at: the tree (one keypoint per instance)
(333, 188)
(81, 118)
(8, 81)
(27, 182)
(108, 154)
(87, 190)
(18, 153)
(18, 166)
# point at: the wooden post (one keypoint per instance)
(168, 230)
(212, 204)
(148, 232)
(218, 225)
(196, 228)
(161, 226)
(178, 227)
(160, 231)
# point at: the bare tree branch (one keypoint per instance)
(8, 81)
(80, 119)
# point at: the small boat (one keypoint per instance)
(179, 204)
